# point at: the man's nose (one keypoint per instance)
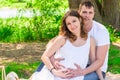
(87, 14)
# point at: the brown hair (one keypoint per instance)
(87, 3)
(65, 31)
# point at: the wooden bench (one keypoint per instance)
(3, 72)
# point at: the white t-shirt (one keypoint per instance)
(101, 36)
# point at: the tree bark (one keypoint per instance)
(112, 13)
(74, 4)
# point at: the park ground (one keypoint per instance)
(31, 52)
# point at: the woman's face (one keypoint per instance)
(73, 24)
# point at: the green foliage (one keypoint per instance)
(114, 36)
(39, 27)
(13, 3)
(100, 1)
(5, 32)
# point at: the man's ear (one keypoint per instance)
(78, 10)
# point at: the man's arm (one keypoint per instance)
(101, 52)
(93, 57)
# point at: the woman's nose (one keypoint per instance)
(72, 25)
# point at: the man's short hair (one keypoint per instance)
(88, 4)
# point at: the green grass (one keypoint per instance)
(114, 59)
(24, 70)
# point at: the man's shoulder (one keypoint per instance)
(98, 26)
(97, 23)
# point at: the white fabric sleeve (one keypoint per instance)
(102, 37)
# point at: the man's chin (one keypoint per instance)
(87, 20)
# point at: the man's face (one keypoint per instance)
(87, 14)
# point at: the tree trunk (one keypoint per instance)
(107, 12)
(112, 13)
(74, 4)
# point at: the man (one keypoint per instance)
(101, 36)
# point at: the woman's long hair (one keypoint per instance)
(65, 31)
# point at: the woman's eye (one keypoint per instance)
(68, 23)
(74, 20)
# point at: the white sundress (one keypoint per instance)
(72, 54)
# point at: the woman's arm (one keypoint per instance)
(49, 52)
(93, 57)
(55, 61)
(52, 46)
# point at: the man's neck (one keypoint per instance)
(88, 27)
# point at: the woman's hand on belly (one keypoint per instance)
(56, 63)
(76, 72)
(63, 73)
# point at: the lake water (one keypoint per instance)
(8, 12)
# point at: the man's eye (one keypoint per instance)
(84, 12)
(90, 12)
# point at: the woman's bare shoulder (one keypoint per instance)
(58, 40)
(61, 39)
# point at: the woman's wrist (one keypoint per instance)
(52, 69)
